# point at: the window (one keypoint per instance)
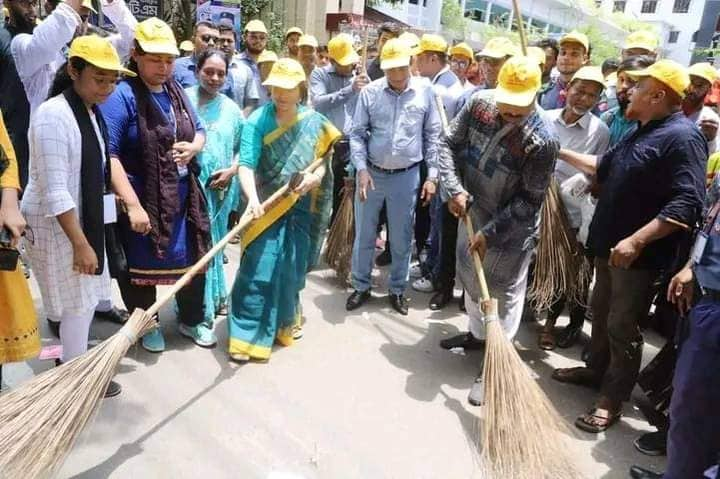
(598, 3)
(681, 6)
(619, 6)
(673, 37)
(648, 6)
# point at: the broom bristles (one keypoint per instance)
(560, 268)
(522, 435)
(341, 236)
(41, 419)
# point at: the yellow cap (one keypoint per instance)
(669, 73)
(412, 41)
(286, 73)
(576, 37)
(590, 74)
(462, 49)
(340, 49)
(395, 53)
(267, 56)
(308, 41)
(518, 81)
(155, 36)
(499, 47)
(255, 26)
(643, 39)
(186, 46)
(292, 30)
(432, 43)
(537, 54)
(703, 70)
(98, 52)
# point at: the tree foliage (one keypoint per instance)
(452, 18)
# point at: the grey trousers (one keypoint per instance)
(621, 298)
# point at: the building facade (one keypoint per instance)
(708, 35)
(676, 21)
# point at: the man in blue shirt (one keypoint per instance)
(255, 38)
(240, 79)
(333, 92)
(652, 186)
(395, 127)
(205, 35)
(694, 436)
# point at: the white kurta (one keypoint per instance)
(53, 189)
(39, 55)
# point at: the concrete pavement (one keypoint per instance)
(365, 395)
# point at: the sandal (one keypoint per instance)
(580, 376)
(597, 420)
(546, 341)
(568, 337)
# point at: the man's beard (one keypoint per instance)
(253, 50)
(693, 101)
(23, 25)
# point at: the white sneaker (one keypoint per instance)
(424, 285)
(416, 271)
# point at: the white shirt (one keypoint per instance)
(39, 55)
(706, 113)
(55, 188)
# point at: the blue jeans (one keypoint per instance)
(694, 436)
(399, 192)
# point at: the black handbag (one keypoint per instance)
(117, 260)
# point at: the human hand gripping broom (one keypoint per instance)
(41, 419)
(521, 433)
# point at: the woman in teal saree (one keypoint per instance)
(223, 123)
(283, 244)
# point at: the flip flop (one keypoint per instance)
(583, 422)
(546, 341)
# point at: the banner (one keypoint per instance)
(144, 9)
(217, 11)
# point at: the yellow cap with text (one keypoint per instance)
(395, 54)
(98, 52)
(667, 72)
(518, 81)
(308, 41)
(286, 73)
(341, 50)
(156, 36)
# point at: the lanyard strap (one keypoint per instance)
(711, 217)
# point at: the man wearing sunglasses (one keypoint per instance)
(205, 35)
(461, 57)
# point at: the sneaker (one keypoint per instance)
(652, 443)
(239, 357)
(113, 389)
(424, 285)
(416, 271)
(477, 392)
(154, 341)
(202, 334)
(297, 332)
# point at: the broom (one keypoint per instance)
(560, 268)
(338, 250)
(41, 420)
(522, 435)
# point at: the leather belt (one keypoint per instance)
(395, 170)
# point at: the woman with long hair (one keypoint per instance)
(223, 122)
(156, 136)
(279, 140)
(67, 201)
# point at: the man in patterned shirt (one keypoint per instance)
(505, 154)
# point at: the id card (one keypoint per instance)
(699, 247)
(109, 208)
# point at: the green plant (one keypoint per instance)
(452, 19)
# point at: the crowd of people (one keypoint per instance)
(124, 156)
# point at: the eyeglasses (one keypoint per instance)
(209, 38)
(460, 63)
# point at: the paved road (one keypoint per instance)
(367, 395)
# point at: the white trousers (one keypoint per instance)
(74, 333)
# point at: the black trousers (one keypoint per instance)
(445, 277)
(190, 299)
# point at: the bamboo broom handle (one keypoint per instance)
(242, 224)
(484, 291)
(521, 28)
(363, 59)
